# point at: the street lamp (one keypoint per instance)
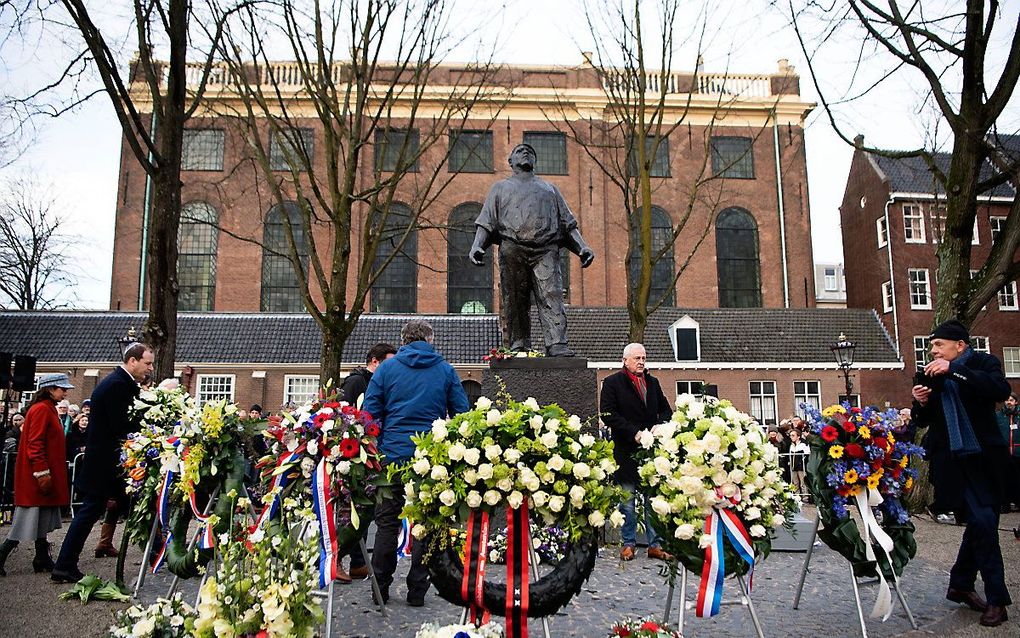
(127, 341)
(843, 350)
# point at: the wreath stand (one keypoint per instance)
(743, 600)
(534, 570)
(854, 582)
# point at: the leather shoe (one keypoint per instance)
(359, 573)
(71, 576)
(342, 576)
(994, 616)
(659, 554)
(969, 598)
(415, 601)
(627, 553)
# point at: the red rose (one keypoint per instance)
(621, 631)
(854, 450)
(830, 433)
(649, 626)
(855, 410)
(349, 448)
(372, 429)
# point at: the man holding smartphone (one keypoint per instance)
(955, 398)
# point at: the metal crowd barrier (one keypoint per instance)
(7, 462)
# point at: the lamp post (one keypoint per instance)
(125, 342)
(843, 351)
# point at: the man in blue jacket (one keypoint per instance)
(406, 394)
(955, 397)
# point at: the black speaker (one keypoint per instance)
(24, 373)
(5, 369)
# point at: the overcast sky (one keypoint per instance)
(79, 152)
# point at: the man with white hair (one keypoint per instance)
(632, 401)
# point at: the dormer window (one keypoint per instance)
(685, 335)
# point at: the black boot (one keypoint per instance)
(5, 551)
(42, 561)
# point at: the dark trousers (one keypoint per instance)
(384, 556)
(527, 274)
(979, 552)
(86, 515)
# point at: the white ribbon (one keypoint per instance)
(866, 499)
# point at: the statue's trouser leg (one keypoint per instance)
(548, 292)
(515, 294)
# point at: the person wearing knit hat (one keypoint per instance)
(955, 397)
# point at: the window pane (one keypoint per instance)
(662, 286)
(196, 265)
(283, 149)
(659, 164)
(736, 246)
(396, 289)
(281, 290)
(215, 388)
(396, 148)
(202, 150)
(300, 390)
(1011, 361)
(732, 157)
(470, 152)
(468, 287)
(551, 149)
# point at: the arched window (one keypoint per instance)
(736, 258)
(468, 287)
(662, 271)
(281, 290)
(196, 263)
(396, 288)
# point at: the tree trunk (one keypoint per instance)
(160, 329)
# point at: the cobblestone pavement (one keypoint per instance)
(29, 605)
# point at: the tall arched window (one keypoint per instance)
(396, 288)
(281, 290)
(468, 287)
(736, 258)
(662, 271)
(196, 263)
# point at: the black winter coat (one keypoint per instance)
(355, 385)
(981, 384)
(100, 473)
(626, 414)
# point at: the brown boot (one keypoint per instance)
(105, 547)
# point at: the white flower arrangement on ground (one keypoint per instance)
(711, 455)
(165, 618)
(489, 458)
(489, 630)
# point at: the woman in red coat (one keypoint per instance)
(40, 475)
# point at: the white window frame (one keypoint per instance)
(201, 395)
(811, 398)
(921, 347)
(980, 344)
(926, 283)
(764, 402)
(975, 238)
(887, 298)
(826, 277)
(290, 396)
(1011, 361)
(913, 212)
(995, 225)
(1007, 298)
(882, 231)
(689, 383)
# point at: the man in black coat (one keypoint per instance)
(955, 398)
(351, 391)
(632, 401)
(99, 479)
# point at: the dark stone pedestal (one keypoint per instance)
(566, 381)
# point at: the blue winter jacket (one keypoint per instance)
(407, 393)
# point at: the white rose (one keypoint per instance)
(439, 430)
(536, 422)
(472, 455)
(695, 410)
(616, 518)
(531, 404)
(574, 422)
(447, 497)
(576, 496)
(144, 627)
(712, 443)
(493, 417)
(504, 485)
(549, 439)
(646, 439)
(777, 520)
(552, 425)
(456, 451)
(752, 513)
(729, 490)
(473, 499)
(757, 531)
(684, 400)
(492, 452)
(684, 532)
(483, 403)
(586, 440)
(343, 467)
(671, 446)
(581, 471)
(512, 455)
(704, 541)
(555, 463)
(662, 465)
(409, 490)
(539, 498)
(439, 473)
(485, 471)
(532, 484)
(515, 499)
(421, 467)
(719, 477)
(664, 430)
(470, 476)
(464, 427)
(492, 497)
(660, 506)
(596, 519)
(598, 473)
(418, 531)
(556, 503)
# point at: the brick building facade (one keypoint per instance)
(891, 221)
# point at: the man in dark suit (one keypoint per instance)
(632, 401)
(955, 398)
(99, 479)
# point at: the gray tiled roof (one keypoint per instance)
(912, 175)
(727, 335)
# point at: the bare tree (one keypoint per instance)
(36, 271)
(367, 76)
(949, 49)
(648, 101)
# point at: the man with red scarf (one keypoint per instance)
(632, 401)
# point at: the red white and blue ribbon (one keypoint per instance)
(280, 480)
(206, 538)
(722, 523)
(404, 539)
(156, 564)
(323, 506)
(163, 500)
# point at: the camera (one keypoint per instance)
(932, 383)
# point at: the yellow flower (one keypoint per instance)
(864, 431)
(850, 476)
(873, 480)
(855, 490)
(910, 482)
(903, 462)
(891, 438)
(832, 411)
(836, 451)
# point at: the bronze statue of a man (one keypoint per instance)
(530, 221)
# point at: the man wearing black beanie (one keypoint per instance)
(956, 398)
